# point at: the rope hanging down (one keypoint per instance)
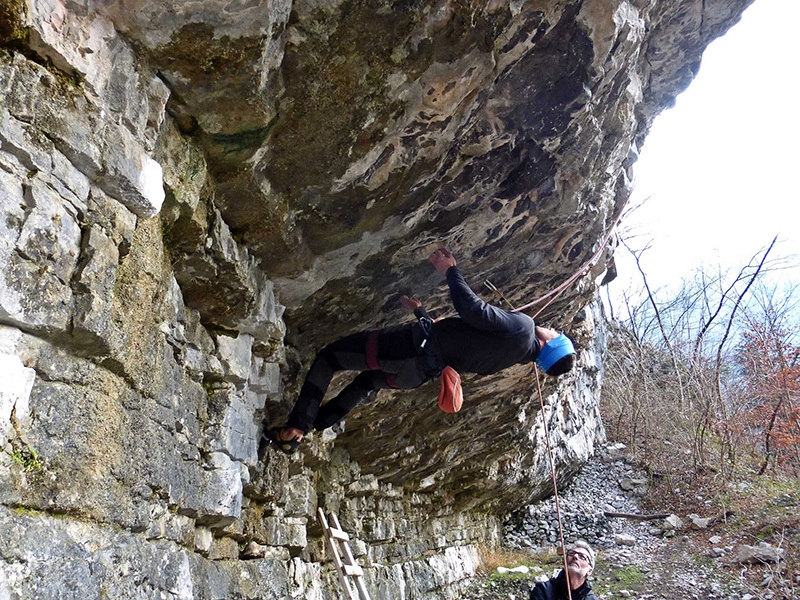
(555, 485)
(553, 295)
(549, 455)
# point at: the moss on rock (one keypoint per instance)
(13, 31)
(198, 55)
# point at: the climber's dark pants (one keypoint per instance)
(400, 364)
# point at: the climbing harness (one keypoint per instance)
(426, 327)
(451, 397)
(351, 575)
(371, 356)
(425, 344)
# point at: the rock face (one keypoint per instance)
(172, 175)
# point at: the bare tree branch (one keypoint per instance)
(723, 341)
(671, 350)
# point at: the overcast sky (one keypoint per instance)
(721, 168)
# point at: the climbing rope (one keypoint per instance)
(549, 450)
(555, 484)
(553, 295)
(556, 292)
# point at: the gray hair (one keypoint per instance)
(585, 546)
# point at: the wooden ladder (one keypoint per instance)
(351, 575)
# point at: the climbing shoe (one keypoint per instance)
(273, 436)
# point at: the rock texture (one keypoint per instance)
(173, 175)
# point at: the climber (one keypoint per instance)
(482, 339)
(580, 564)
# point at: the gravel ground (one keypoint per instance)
(635, 558)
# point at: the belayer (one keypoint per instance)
(482, 339)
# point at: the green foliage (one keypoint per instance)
(619, 578)
(627, 576)
(26, 456)
(24, 511)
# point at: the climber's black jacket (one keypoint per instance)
(483, 339)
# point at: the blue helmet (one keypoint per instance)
(553, 351)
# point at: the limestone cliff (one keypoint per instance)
(195, 196)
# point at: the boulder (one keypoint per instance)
(621, 539)
(764, 553)
(637, 487)
(699, 522)
(671, 523)
(630, 484)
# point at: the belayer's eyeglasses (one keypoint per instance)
(579, 555)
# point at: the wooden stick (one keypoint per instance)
(636, 517)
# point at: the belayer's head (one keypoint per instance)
(580, 563)
(556, 352)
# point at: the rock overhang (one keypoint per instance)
(438, 115)
(155, 346)
(344, 141)
(339, 143)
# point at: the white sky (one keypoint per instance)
(721, 167)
